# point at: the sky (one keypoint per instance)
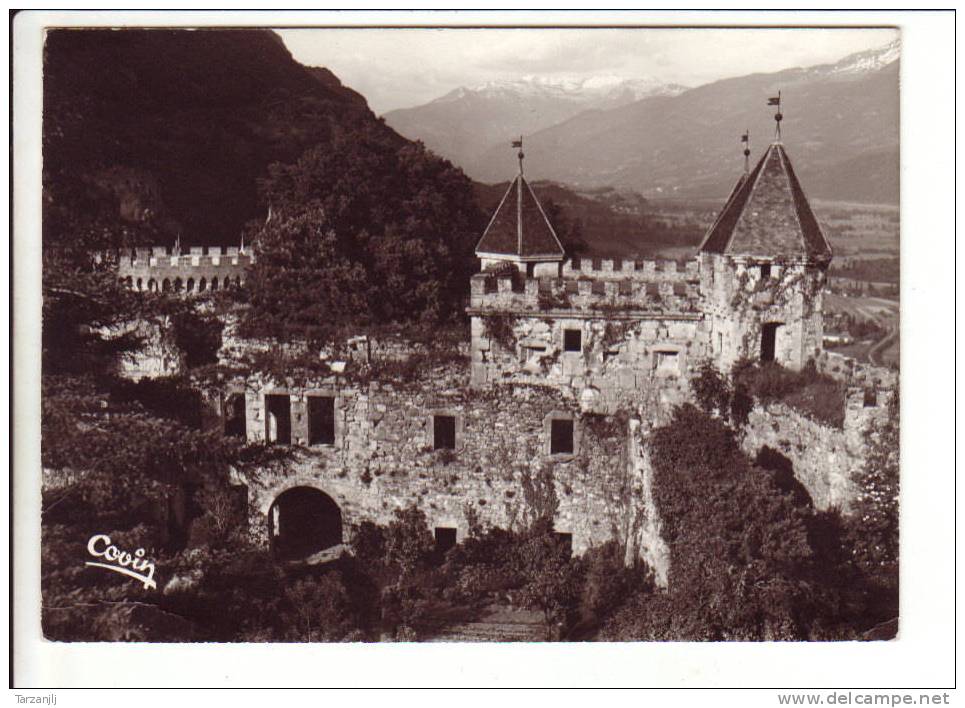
(400, 68)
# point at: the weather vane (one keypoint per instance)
(746, 140)
(519, 155)
(778, 117)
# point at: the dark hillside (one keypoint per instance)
(174, 127)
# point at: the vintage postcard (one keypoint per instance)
(514, 334)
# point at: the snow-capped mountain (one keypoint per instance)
(588, 91)
(864, 62)
(468, 120)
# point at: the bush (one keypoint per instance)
(816, 395)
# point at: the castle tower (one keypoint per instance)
(763, 265)
(520, 232)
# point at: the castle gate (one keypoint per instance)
(303, 521)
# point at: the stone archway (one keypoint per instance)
(303, 521)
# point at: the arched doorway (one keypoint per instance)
(303, 521)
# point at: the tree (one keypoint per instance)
(363, 234)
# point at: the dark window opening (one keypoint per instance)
(576, 264)
(491, 286)
(572, 340)
(321, 420)
(765, 271)
(278, 419)
(870, 398)
(444, 432)
(625, 287)
(598, 287)
(768, 341)
(566, 542)
(445, 538)
(530, 270)
(235, 424)
(561, 436)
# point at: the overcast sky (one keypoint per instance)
(399, 68)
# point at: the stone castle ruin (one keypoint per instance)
(572, 361)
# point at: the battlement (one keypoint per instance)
(197, 256)
(164, 269)
(513, 293)
(640, 270)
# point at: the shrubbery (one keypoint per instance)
(816, 395)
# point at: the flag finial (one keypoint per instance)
(519, 155)
(778, 117)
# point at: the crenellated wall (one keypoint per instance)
(160, 269)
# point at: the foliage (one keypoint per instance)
(364, 234)
(874, 521)
(816, 395)
(743, 565)
(717, 395)
(500, 327)
(198, 336)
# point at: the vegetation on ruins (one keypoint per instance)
(814, 394)
(750, 557)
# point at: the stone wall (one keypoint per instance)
(738, 301)
(383, 459)
(825, 459)
(619, 362)
(197, 271)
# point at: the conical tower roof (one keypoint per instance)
(768, 215)
(520, 230)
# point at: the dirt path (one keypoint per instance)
(881, 346)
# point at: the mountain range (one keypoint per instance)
(463, 124)
(840, 127)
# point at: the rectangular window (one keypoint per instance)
(278, 419)
(235, 420)
(765, 271)
(870, 398)
(572, 340)
(444, 432)
(665, 362)
(445, 538)
(321, 420)
(561, 436)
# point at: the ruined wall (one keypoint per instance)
(383, 459)
(634, 336)
(825, 459)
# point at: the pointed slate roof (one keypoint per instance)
(768, 215)
(519, 228)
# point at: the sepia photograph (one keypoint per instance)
(470, 334)
(549, 356)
